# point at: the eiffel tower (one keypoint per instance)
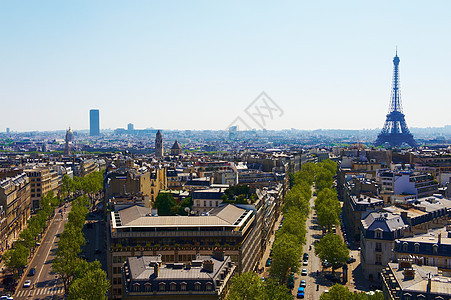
(395, 131)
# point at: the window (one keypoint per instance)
(417, 247)
(205, 203)
(435, 248)
(197, 286)
(136, 287)
(209, 286)
(162, 287)
(404, 246)
(183, 286)
(379, 247)
(378, 234)
(148, 287)
(173, 286)
(378, 259)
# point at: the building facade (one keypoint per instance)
(94, 122)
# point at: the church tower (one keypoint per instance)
(159, 145)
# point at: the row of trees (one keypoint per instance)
(331, 247)
(89, 185)
(287, 246)
(82, 280)
(16, 258)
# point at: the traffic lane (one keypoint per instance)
(43, 258)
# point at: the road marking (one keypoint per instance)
(48, 252)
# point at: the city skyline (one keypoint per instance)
(199, 65)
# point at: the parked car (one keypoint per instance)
(305, 256)
(6, 297)
(268, 262)
(305, 263)
(304, 272)
(300, 294)
(350, 260)
(32, 272)
(27, 284)
(303, 283)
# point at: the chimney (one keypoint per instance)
(428, 287)
(156, 269)
(439, 238)
(208, 265)
(218, 254)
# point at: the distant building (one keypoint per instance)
(130, 128)
(42, 181)
(176, 149)
(159, 145)
(67, 146)
(205, 277)
(94, 122)
(7, 130)
(205, 200)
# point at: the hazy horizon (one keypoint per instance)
(198, 65)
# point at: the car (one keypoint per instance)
(300, 294)
(350, 260)
(303, 283)
(58, 235)
(60, 211)
(268, 262)
(37, 244)
(304, 272)
(27, 284)
(305, 256)
(6, 297)
(65, 206)
(32, 272)
(305, 263)
(326, 264)
(98, 251)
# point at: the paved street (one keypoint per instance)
(44, 283)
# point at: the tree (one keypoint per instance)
(294, 224)
(67, 186)
(285, 257)
(337, 292)
(327, 208)
(246, 286)
(332, 248)
(16, 258)
(274, 290)
(297, 197)
(90, 282)
(163, 203)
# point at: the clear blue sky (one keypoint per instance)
(199, 64)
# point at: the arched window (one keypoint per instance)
(197, 286)
(136, 287)
(209, 286)
(162, 286)
(148, 287)
(183, 286)
(435, 248)
(417, 247)
(404, 246)
(173, 286)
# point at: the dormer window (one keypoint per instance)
(417, 247)
(148, 287)
(173, 286)
(162, 287)
(197, 286)
(435, 248)
(209, 286)
(183, 286)
(404, 246)
(378, 233)
(136, 287)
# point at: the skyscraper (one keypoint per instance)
(159, 145)
(94, 122)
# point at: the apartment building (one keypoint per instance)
(42, 181)
(15, 207)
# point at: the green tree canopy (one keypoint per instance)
(332, 248)
(286, 250)
(163, 203)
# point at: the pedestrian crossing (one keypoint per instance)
(41, 291)
(60, 219)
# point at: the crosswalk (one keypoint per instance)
(40, 291)
(60, 219)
